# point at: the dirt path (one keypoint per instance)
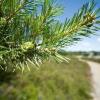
(95, 71)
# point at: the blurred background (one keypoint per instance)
(56, 81)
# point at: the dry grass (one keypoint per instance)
(62, 81)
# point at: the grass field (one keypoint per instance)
(53, 81)
(95, 60)
(92, 59)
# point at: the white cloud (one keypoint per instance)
(83, 46)
(86, 44)
(98, 39)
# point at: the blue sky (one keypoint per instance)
(87, 44)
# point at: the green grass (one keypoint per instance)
(96, 60)
(62, 81)
(92, 59)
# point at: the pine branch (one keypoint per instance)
(80, 24)
(30, 33)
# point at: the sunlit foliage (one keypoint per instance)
(30, 33)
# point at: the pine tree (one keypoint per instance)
(30, 32)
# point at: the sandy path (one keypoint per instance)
(95, 71)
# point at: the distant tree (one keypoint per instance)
(30, 32)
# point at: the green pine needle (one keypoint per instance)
(30, 33)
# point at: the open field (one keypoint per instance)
(93, 59)
(65, 81)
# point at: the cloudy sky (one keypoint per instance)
(87, 44)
